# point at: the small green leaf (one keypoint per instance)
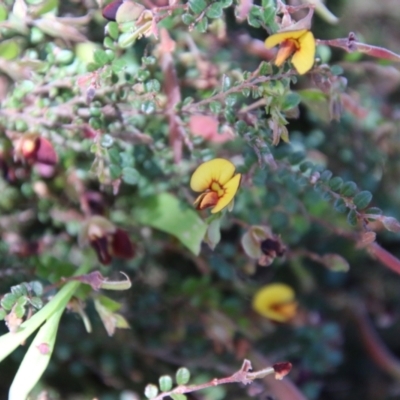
(148, 107)
(202, 25)
(143, 75)
(165, 383)
(336, 70)
(188, 19)
(112, 30)
(254, 17)
(153, 85)
(64, 57)
(326, 176)
(241, 127)
(95, 123)
(115, 171)
(291, 100)
(374, 211)
(335, 263)
(36, 302)
(187, 100)
(336, 183)
(215, 107)
(268, 15)
(340, 205)
(110, 304)
(349, 189)
(327, 196)
(45, 7)
(20, 290)
(305, 166)
(231, 99)
(151, 391)
(121, 322)
(113, 153)
(362, 199)
(296, 157)
(226, 3)
(226, 83)
(197, 6)
(246, 92)
(265, 68)
(91, 67)
(8, 300)
(100, 57)
(182, 376)
(110, 320)
(150, 60)
(213, 235)
(21, 301)
(352, 218)
(110, 55)
(3, 314)
(215, 11)
(130, 175)
(118, 65)
(108, 43)
(107, 141)
(36, 287)
(19, 310)
(9, 49)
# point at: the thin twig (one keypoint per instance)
(241, 376)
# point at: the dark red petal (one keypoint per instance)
(282, 369)
(100, 245)
(110, 11)
(45, 152)
(122, 246)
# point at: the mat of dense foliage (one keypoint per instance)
(185, 186)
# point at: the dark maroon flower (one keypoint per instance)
(107, 240)
(272, 247)
(110, 11)
(101, 247)
(122, 246)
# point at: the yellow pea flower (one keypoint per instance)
(217, 180)
(300, 44)
(275, 302)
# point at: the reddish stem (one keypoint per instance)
(374, 345)
(386, 258)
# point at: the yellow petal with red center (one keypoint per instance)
(205, 200)
(230, 189)
(275, 302)
(303, 58)
(280, 37)
(216, 170)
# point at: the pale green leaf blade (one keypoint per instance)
(165, 212)
(36, 358)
